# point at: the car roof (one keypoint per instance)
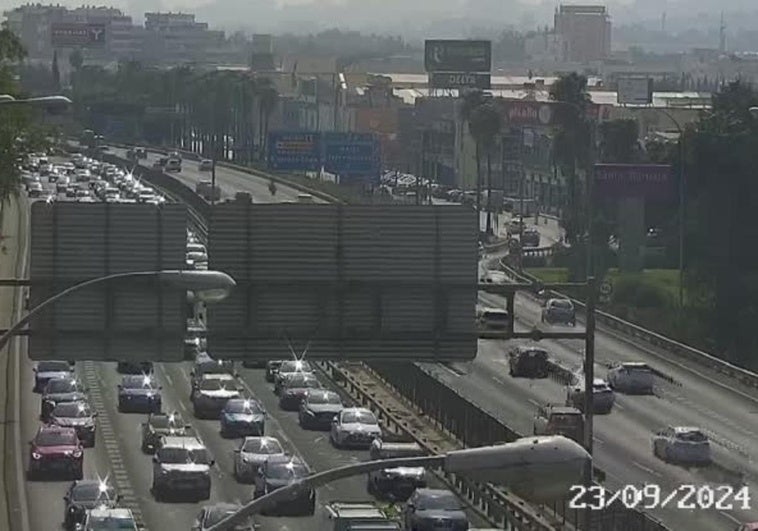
(434, 493)
(51, 428)
(217, 376)
(357, 410)
(530, 348)
(493, 310)
(186, 441)
(686, 429)
(277, 459)
(263, 439)
(564, 410)
(116, 512)
(635, 365)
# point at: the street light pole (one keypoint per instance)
(210, 286)
(537, 468)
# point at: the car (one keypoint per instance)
(559, 311)
(35, 189)
(62, 185)
(682, 444)
(252, 452)
(528, 361)
(355, 427)
(71, 191)
(83, 496)
(159, 425)
(396, 484)
(106, 519)
(603, 397)
(173, 164)
(139, 393)
(434, 509)
(289, 368)
(134, 367)
(242, 417)
(749, 526)
(56, 450)
(515, 226)
(318, 408)
(212, 393)
(175, 155)
(272, 368)
(77, 415)
(160, 163)
(631, 378)
(45, 371)
(530, 237)
(294, 389)
(181, 466)
(278, 472)
(494, 276)
(204, 365)
(211, 515)
(140, 153)
(57, 390)
(559, 420)
(493, 318)
(205, 165)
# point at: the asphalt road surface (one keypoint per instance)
(698, 397)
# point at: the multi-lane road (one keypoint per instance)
(727, 410)
(117, 454)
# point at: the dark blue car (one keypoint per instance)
(139, 394)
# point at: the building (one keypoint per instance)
(584, 32)
(172, 38)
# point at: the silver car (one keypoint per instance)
(631, 378)
(355, 427)
(212, 394)
(252, 452)
(182, 466)
(289, 368)
(559, 311)
(603, 397)
(682, 444)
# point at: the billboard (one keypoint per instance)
(77, 34)
(352, 154)
(134, 320)
(348, 281)
(635, 90)
(455, 80)
(651, 181)
(520, 112)
(294, 151)
(457, 56)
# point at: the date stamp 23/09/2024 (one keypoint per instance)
(685, 497)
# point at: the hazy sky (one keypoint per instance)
(400, 16)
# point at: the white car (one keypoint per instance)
(603, 397)
(494, 276)
(355, 426)
(212, 393)
(631, 378)
(100, 519)
(682, 444)
(205, 165)
(251, 453)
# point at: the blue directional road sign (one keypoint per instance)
(352, 155)
(294, 151)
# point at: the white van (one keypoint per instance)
(305, 198)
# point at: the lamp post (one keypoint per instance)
(209, 286)
(537, 468)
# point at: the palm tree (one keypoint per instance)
(485, 125)
(268, 97)
(471, 101)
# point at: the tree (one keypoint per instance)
(56, 71)
(268, 97)
(722, 194)
(618, 141)
(485, 126)
(76, 59)
(471, 101)
(571, 152)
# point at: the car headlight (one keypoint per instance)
(309, 412)
(35, 455)
(77, 454)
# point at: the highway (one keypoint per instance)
(725, 409)
(117, 454)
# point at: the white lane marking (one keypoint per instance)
(620, 407)
(598, 440)
(533, 402)
(168, 378)
(732, 518)
(498, 380)
(646, 469)
(448, 369)
(181, 405)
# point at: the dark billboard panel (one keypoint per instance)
(81, 34)
(457, 56)
(651, 181)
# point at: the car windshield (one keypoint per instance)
(72, 410)
(535, 353)
(565, 419)
(53, 366)
(692, 436)
(215, 384)
(212, 367)
(302, 381)
(295, 366)
(92, 491)
(359, 417)
(262, 446)
(562, 304)
(108, 523)
(179, 456)
(56, 438)
(249, 407)
(215, 515)
(137, 382)
(287, 470)
(442, 502)
(324, 398)
(496, 316)
(62, 386)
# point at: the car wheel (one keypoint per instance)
(145, 448)
(205, 494)
(79, 473)
(311, 509)
(157, 494)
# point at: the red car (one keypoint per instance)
(56, 450)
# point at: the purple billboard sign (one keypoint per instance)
(651, 181)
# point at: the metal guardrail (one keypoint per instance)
(634, 331)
